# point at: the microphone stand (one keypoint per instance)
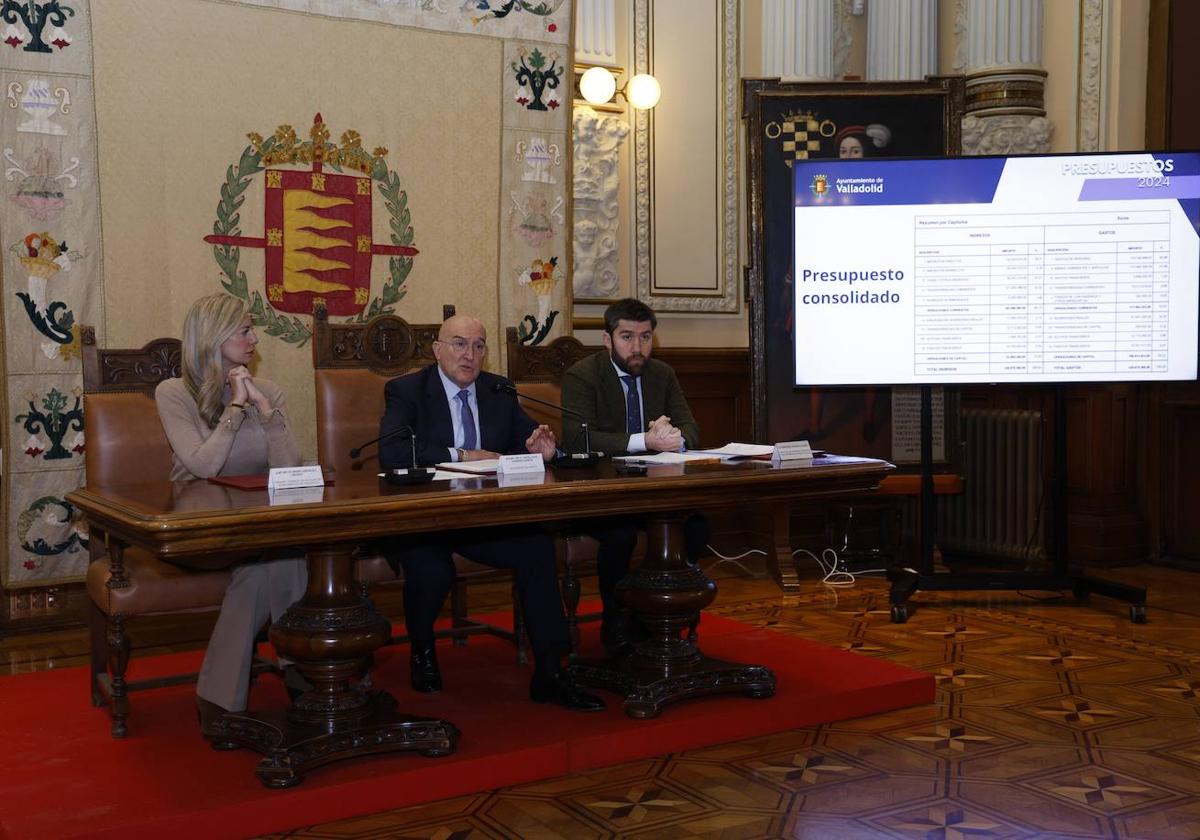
(401, 476)
(571, 459)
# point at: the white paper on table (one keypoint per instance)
(665, 457)
(739, 450)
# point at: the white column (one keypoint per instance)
(1004, 33)
(596, 32)
(901, 39)
(1005, 90)
(798, 39)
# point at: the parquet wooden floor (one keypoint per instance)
(1053, 719)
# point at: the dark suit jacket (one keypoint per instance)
(419, 400)
(591, 388)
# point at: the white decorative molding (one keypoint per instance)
(597, 143)
(901, 40)
(596, 32)
(843, 38)
(960, 36)
(1006, 135)
(727, 297)
(798, 39)
(641, 149)
(1091, 75)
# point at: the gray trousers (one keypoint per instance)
(256, 591)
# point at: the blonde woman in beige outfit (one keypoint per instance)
(221, 420)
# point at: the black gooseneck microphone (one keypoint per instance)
(400, 430)
(405, 475)
(575, 459)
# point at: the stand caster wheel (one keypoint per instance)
(899, 613)
(1137, 613)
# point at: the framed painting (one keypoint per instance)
(786, 121)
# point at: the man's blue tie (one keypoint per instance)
(633, 406)
(468, 420)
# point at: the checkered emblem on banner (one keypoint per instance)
(802, 138)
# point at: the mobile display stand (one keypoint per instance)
(907, 581)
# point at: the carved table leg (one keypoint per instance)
(666, 594)
(118, 641)
(780, 562)
(330, 633)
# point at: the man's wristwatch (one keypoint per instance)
(462, 453)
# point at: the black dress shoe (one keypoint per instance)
(210, 714)
(562, 690)
(423, 668)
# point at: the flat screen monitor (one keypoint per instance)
(1051, 268)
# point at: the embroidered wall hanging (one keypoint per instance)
(51, 257)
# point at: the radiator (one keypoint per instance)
(997, 514)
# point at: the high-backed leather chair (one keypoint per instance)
(351, 365)
(126, 443)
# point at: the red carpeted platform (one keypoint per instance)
(61, 775)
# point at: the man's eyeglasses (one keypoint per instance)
(460, 345)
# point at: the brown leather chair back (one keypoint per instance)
(351, 365)
(349, 406)
(537, 372)
(125, 439)
(550, 392)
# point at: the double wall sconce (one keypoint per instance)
(598, 85)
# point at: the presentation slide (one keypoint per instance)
(1057, 268)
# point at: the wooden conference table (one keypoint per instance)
(332, 630)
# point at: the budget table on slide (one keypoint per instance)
(1063, 292)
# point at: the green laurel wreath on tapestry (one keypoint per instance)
(289, 328)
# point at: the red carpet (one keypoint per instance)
(61, 775)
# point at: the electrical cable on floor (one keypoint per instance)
(832, 575)
(734, 560)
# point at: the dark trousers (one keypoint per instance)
(526, 549)
(618, 538)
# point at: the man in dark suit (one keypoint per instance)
(633, 404)
(457, 414)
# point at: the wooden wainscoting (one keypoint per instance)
(38, 608)
(1170, 463)
(716, 382)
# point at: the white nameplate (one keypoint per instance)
(528, 463)
(288, 478)
(517, 479)
(296, 495)
(792, 450)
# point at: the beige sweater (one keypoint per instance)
(243, 443)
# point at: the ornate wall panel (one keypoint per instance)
(597, 141)
(686, 249)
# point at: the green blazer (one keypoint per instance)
(591, 388)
